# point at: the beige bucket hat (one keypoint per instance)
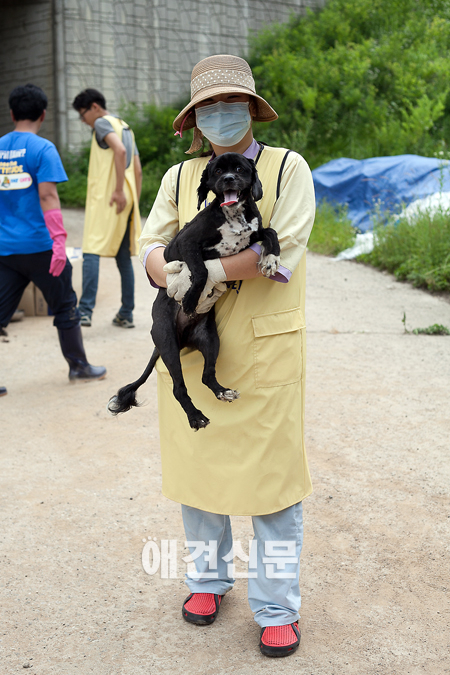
(220, 74)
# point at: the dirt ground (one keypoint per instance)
(81, 493)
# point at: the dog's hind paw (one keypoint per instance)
(228, 395)
(112, 407)
(269, 264)
(199, 422)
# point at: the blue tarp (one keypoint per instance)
(390, 182)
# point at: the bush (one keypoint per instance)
(359, 78)
(415, 250)
(73, 193)
(333, 231)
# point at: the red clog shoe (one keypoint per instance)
(201, 608)
(280, 640)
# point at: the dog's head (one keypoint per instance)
(230, 173)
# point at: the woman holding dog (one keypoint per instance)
(251, 459)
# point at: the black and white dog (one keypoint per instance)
(225, 227)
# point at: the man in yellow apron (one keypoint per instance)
(112, 221)
(251, 459)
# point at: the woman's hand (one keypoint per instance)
(179, 281)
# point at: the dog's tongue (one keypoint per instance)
(229, 197)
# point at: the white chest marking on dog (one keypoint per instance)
(235, 231)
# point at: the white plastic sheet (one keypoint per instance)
(363, 244)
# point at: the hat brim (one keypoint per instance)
(264, 112)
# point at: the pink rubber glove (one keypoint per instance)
(54, 222)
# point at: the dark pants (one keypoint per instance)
(91, 265)
(16, 271)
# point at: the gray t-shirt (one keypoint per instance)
(103, 127)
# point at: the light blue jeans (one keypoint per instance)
(91, 265)
(274, 564)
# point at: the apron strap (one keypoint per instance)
(261, 148)
(280, 173)
(177, 193)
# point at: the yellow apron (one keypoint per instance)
(104, 229)
(251, 459)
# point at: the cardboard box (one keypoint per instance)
(40, 306)
(27, 302)
(75, 256)
(33, 302)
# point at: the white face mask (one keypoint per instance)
(224, 124)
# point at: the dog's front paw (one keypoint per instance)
(269, 264)
(228, 395)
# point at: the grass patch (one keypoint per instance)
(415, 250)
(333, 231)
(435, 329)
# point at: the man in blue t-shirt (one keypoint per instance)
(32, 234)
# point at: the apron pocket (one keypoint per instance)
(278, 348)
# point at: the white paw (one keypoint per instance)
(111, 406)
(228, 395)
(269, 264)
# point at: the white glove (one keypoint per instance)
(216, 278)
(179, 279)
(206, 304)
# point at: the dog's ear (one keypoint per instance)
(257, 190)
(203, 188)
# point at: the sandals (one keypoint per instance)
(280, 640)
(201, 608)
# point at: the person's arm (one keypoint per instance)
(243, 265)
(51, 208)
(138, 175)
(154, 266)
(48, 196)
(120, 162)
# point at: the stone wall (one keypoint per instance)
(131, 50)
(26, 55)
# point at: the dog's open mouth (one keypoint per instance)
(230, 197)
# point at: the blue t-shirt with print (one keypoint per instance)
(25, 161)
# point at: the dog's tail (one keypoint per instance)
(125, 398)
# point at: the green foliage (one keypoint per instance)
(435, 329)
(359, 78)
(415, 249)
(333, 231)
(73, 193)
